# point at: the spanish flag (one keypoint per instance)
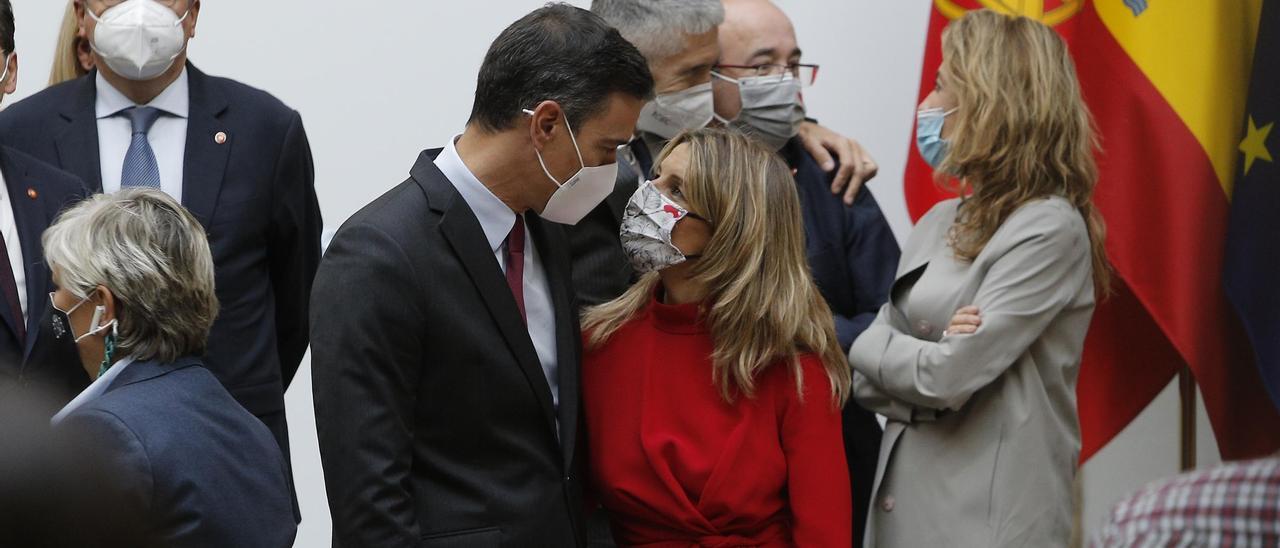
(1167, 82)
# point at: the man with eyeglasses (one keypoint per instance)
(678, 39)
(852, 251)
(234, 156)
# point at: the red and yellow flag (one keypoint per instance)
(1167, 82)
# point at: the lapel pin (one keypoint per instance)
(31, 193)
(220, 137)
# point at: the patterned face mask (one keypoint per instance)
(647, 223)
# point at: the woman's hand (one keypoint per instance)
(965, 322)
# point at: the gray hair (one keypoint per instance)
(153, 256)
(658, 27)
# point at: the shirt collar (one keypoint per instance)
(496, 219)
(97, 388)
(175, 100)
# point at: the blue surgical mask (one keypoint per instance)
(933, 148)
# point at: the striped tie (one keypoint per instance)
(140, 168)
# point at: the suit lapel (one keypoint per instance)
(78, 143)
(554, 258)
(205, 161)
(463, 232)
(31, 217)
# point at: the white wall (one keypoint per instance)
(376, 82)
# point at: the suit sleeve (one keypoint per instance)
(872, 255)
(119, 467)
(817, 472)
(1035, 277)
(294, 245)
(368, 348)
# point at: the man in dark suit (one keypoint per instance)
(852, 251)
(235, 156)
(446, 340)
(31, 195)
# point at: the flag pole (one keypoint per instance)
(1187, 397)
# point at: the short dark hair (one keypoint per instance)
(6, 27)
(557, 53)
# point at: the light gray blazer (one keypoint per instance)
(982, 439)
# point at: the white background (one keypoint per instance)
(376, 82)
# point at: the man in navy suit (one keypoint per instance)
(234, 156)
(31, 194)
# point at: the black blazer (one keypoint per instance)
(180, 458)
(38, 192)
(435, 420)
(255, 195)
(601, 270)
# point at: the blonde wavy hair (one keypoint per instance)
(762, 306)
(1021, 131)
(70, 53)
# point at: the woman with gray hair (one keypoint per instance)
(135, 293)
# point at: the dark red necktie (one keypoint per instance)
(10, 289)
(515, 264)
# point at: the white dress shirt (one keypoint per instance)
(168, 137)
(9, 229)
(496, 219)
(94, 390)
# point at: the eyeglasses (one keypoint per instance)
(806, 74)
(114, 3)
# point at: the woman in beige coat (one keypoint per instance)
(974, 360)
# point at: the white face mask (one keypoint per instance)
(139, 39)
(670, 113)
(647, 224)
(582, 192)
(771, 108)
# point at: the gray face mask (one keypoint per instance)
(670, 113)
(771, 108)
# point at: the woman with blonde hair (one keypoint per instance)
(71, 56)
(975, 357)
(712, 388)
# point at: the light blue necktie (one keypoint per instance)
(140, 168)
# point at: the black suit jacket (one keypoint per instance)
(435, 419)
(37, 192)
(183, 461)
(601, 270)
(255, 195)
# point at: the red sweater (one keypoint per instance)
(675, 465)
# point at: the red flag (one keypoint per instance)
(1168, 132)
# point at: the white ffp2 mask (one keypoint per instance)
(582, 192)
(139, 39)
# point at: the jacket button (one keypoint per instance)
(886, 504)
(924, 328)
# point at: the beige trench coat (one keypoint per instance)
(982, 439)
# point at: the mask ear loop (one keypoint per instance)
(575, 149)
(94, 328)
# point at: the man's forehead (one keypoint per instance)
(748, 18)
